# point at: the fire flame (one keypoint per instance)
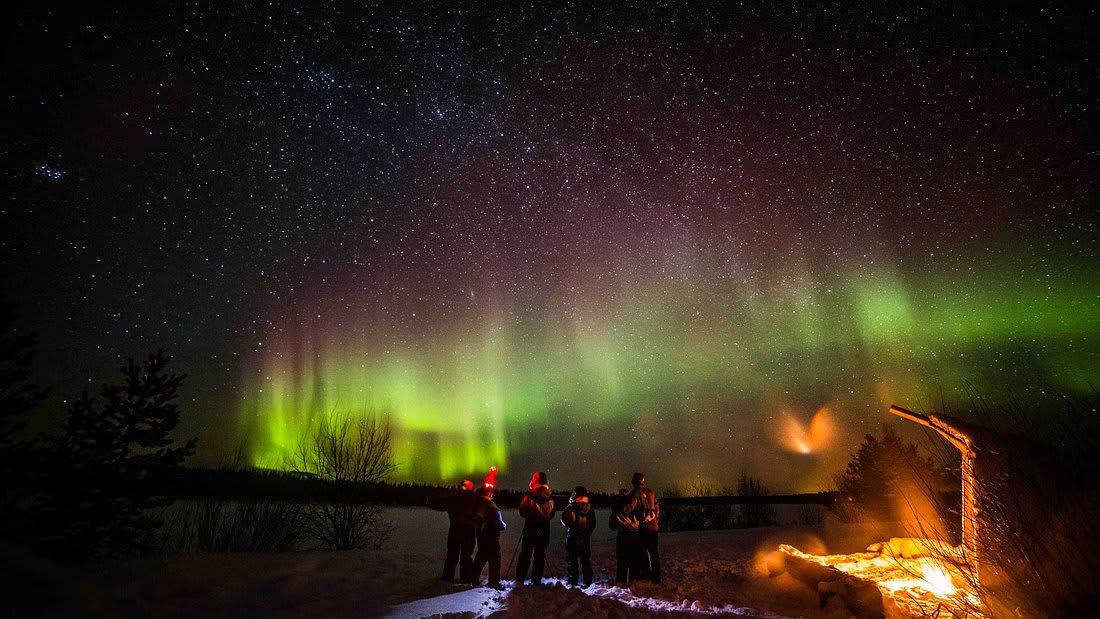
(816, 436)
(924, 584)
(938, 580)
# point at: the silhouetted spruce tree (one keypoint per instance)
(880, 471)
(112, 463)
(18, 396)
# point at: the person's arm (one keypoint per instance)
(568, 518)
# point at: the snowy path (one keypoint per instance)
(481, 601)
(557, 599)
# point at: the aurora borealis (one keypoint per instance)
(586, 240)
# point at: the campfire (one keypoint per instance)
(905, 577)
(902, 577)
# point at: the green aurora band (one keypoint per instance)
(689, 346)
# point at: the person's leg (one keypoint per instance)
(654, 557)
(585, 551)
(621, 561)
(538, 563)
(524, 560)
(571, 557)
(639, 568)
(480, 560)
(466, 555)
(449, 563)
(494, 564)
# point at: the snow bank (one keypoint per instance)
(557, 600)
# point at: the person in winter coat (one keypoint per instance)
(580, 520)
(627, 539)
(643, 504)
(489, 523)
(461, 534)
(537, 508)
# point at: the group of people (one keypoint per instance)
(475, 519)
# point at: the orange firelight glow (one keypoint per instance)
(927, 586)
(814, 437)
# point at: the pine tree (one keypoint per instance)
(111, 464)
(881, 470)
(18, 396)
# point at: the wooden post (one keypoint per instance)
(963, 443)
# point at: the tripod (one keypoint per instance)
(509, 570)
(545, 559)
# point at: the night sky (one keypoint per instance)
(588, 239)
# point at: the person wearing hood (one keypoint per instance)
(580, 520)
(537, 508)
(643, 504)
(627, 539)
(461, 534)
(488, 522)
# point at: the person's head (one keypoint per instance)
(467, 485)
(580, 494)
(538, 478)
(485, 491)
(638, 480)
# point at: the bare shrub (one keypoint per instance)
(686, 516)
(753, 514)
(222, 525)
(808, 516)
(350, 455)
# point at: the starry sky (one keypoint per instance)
(587, 238)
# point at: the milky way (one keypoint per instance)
(585, 240)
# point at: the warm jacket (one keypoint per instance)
(579, 519)
(460, 507)
(643, 506)
(537, 508)
(622, 519)
(487, 517)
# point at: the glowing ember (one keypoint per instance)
(938, 580)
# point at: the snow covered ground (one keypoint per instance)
(707, 573)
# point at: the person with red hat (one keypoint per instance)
(537, 508)
(489, 523)
(460, 508)
(643, 504)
